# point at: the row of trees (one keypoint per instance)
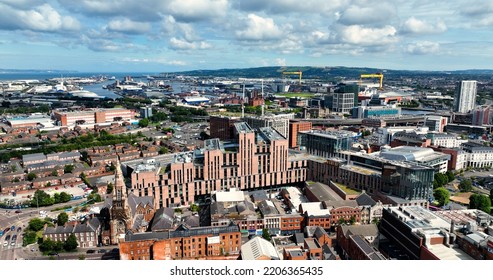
(50, 246)
(481, 202)
(441, 179)
(41, 198)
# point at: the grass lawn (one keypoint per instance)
(297, 94)
(347, 190)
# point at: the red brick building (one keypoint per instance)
(294, 127)
(183, 243)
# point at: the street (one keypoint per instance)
(9, 218)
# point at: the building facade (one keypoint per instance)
(465, 96)
(295, 126)
(257, 159)
(325, 143)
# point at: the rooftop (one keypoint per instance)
(448, 253)
(332, 134)
(322, 191)
(243, 127)
(268, 134)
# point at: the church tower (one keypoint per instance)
(120, 213)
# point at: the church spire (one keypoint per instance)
(119, 190)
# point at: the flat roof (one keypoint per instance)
(448, 253)
(332, 134)
(232, 195)
(243, 127)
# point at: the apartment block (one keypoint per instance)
(256, 159)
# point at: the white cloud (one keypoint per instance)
(128, 26)
(197, 10)
(178, 44)
(169, 26)
(259, 28)
(424, 47)
(289, 6)
(359, 35)
(416, 26)
(281, 61)
(373, 14)
(42, 18)
(176, 62)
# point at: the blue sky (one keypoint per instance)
(175, 35)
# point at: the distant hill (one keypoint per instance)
(322, 72)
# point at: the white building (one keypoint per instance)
(446, 140)
(278, 122)
(259, 249)
(343, 102)
(436, 123)
(478, 155)
(465, 96)
(384, 135)
(425, 156)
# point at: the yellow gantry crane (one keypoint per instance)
(376, 75)
(299, 73)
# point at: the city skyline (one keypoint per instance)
(151, 35)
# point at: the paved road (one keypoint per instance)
(9, 218)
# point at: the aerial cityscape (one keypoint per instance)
(151, 135)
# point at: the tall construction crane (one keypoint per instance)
(376, 75)
(299, 73)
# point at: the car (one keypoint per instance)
(19, 229)
(102, 251)
(12, 228)
(18, 211)
(53, 254)
(7, 241)
(91, 251)
(56, 188)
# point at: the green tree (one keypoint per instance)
(481, 202)
(31, 176)
(442, 195)
(68, 168)
(94, 197)
(194, 208)
(440, 180)
(41, 198)
(491, 195)
(112, 167)
(71, 244)
(56, 198)
(62, 218)
(54, 173)
(163, 150)
(465, 185)
(65, 197)
(109, 189)
(36, 224)
(352, 220)
(46, 246)
(29, 238)
(144, 122)
(450, 176)
(266, 234)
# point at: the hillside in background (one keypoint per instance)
(324, 73)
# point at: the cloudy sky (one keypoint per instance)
(175, 35)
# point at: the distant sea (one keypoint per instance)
(96, 88)
(36, 75)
